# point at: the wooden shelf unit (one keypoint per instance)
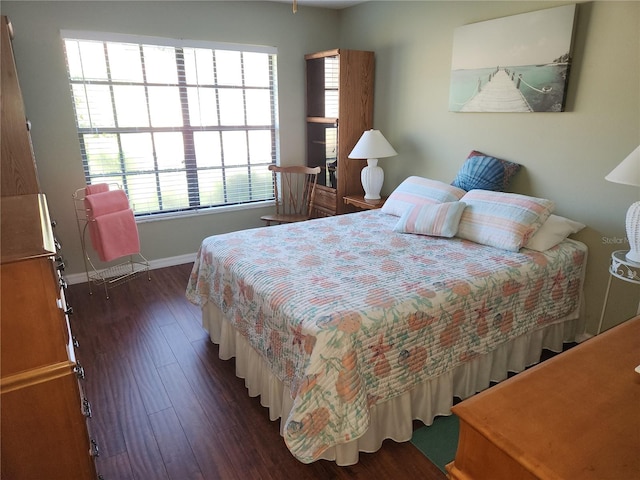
(339, 109)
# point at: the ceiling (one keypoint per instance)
(335, 4)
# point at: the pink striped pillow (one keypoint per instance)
(420, 191)
(439, 220)
(502, 220)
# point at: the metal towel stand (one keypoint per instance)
(113, 275)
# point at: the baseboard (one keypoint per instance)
(74, 278)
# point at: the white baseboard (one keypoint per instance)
(74, 278)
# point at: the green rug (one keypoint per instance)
(439, 441)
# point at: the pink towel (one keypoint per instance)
(97, 188)
(98, 204)
(115, 235)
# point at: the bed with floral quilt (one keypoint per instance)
(350, 327)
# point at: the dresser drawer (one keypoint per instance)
(43, 432)
(32, 318)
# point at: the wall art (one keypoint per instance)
(519, 63)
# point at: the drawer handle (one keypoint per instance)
(79, 369)
(60, 266)
(63, 283)
(86, 407)
(69, 310)
(94, 451)
(75, 341)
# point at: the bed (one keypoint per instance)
(350, 327)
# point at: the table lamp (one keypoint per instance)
(628, 173)
(372, 146)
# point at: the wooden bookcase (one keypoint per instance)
(339, 109)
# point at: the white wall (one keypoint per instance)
(565, 155)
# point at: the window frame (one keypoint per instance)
(191, 169)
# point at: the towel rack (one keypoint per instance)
(116, 274)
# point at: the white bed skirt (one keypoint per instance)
(394, 418)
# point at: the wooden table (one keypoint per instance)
(359, 201)
(575, 416)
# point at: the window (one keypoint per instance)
(181, 125)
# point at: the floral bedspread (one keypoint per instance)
(349, 313)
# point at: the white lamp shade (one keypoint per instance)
(628, 172)
(372, 144)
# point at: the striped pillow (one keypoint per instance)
(420, 191)
(502, 220)
(439, 220)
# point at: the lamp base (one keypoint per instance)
(633, 232)
(372, 178)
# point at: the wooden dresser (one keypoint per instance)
(18, 173)
(43, 409)
(575, 416)
(43, 429)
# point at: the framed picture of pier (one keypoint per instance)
(519, 63)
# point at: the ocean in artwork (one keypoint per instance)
(543, 86)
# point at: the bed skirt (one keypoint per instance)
(392, 419)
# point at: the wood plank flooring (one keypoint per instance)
(166, 407)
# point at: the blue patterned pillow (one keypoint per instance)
(483, 172)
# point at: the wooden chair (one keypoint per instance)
(294, 188)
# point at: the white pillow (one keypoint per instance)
(552, 232)
(439, 220)
(416, 191)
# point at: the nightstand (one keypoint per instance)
(358, 201)
(624, 270)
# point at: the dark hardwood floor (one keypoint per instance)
(166, 407)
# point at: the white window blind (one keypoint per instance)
(180, 124)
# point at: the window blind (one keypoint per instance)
(180, 124)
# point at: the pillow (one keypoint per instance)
(483, 172)
(439, 220)
(552, 232)
(502, 220)
(419, 191)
